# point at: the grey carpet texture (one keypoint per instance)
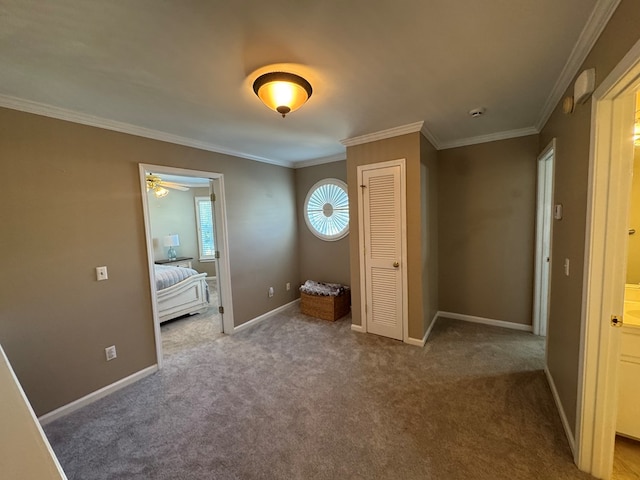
(298, 398)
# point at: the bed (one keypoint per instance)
(180, 291)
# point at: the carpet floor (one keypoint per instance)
(299, 398)
(191, 331)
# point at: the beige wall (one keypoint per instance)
(72, 202)
(320, 260)
(429, 230)
(486, 229)
(571, 173)
(407, 147)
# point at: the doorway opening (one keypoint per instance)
(185, 227)
(610, 181)
(626, 462)
(544, 225)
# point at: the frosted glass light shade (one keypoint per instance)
(282, 92)
(160, 192)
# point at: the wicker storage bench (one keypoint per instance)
(324, 306)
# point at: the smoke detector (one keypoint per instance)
(477, 112)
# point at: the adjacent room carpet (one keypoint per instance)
(300, 398)
(191, 331)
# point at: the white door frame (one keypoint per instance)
(542, 284)
(610, 164)
(403, 206)
(222, 264)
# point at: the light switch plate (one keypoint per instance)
(101, 273)
(557, 211)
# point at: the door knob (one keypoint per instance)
(396, 264)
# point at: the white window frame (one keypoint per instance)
(327, 237)
(202, 257)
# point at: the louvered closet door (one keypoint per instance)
(383, 242)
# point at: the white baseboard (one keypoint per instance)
(421, 343)
(486, 321)
(563, 416)
(97, 395)
(264, 316)
(357, 328)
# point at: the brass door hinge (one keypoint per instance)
(213, 197)
(217, 255)
(220, 309)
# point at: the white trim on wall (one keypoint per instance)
(563, 415)
(340, 157)
(60, 113)
(358, 328)
(486, 321)
(492, 137)
(264, 316)
(421, 343)
(383, 134)
(97, 395)
(598, 20)
(609, 186)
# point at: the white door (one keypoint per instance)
(544, 208)
(382, 239)
(216, 187)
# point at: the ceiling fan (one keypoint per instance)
(157, 185)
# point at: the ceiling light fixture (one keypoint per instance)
(160, 192)
(282, 92)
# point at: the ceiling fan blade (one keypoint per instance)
(175, 186)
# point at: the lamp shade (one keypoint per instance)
(282, 92)
(172, 240)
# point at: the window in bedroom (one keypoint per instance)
(326, 209)
(204, 222)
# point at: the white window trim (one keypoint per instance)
(320, 235)
(203, 258)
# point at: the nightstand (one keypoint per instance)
(184, 262)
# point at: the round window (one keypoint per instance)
(326, 209)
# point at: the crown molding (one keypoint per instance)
(59, 113)
(492, 137)
(381, 135)
(320, 161)
(598, 20)
(435, 141)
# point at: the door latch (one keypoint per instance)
(615, 321)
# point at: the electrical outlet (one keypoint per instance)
(288, 286)
(270, 292)
(110, 352)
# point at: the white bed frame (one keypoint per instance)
(187, 297)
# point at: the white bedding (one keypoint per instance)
(167, 275)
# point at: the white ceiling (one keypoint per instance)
(182, 70)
